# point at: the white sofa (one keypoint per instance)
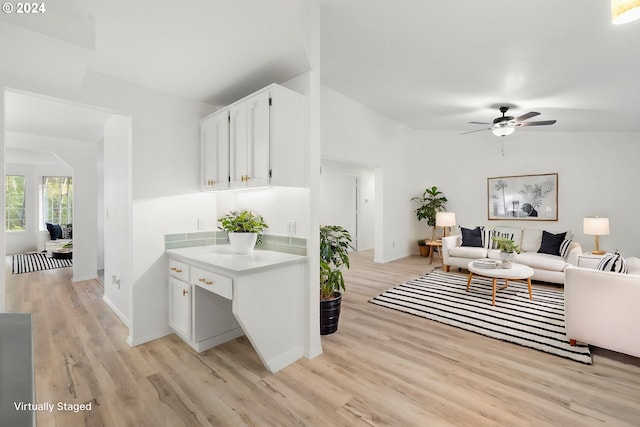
(601, 308)
(546, 267)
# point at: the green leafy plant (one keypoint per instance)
(431, 202)
(506, 245)
(244, 221)
(335, 242)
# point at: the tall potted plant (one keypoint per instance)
(431, 202)
(335, 242)
(244, 228)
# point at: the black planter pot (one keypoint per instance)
(330, 314)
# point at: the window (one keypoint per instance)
(14, 186)
(57, 200)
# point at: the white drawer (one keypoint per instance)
(212, 282)
(179, 270)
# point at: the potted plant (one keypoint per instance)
(423, 248)
(508, 250)
(335, 242)
(244, 228)
(431, 202)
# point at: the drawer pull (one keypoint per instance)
(184, 292)
(209, 282)
(205, 281)
(177, 270)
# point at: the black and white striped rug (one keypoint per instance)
(26, 263)
(537, 323)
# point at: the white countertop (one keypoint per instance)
(221, 257)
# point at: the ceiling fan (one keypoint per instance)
(505, 125)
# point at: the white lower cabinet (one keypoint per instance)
(265, 304)
(180, 307)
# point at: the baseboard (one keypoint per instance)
(149, 337)
(75, 279)
(118, 313)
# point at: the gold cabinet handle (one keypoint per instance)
(245, 178)
(177, 270)
(209, 282)
(184, 292)
(205, 281)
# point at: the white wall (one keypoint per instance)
(597, 175)
(354, 133)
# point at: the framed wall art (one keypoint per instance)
(523, 197)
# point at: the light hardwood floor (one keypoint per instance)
(382, 367)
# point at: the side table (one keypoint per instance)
(434, 245)
(589, 260)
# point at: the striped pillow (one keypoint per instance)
(564, 248)
(486, 238)
(613, 262)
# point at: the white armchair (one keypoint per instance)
(601, 308)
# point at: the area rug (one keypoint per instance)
(35, 261)
(537, 323)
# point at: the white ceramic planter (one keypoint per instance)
(507, 259)
(242, 243)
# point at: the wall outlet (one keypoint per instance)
(116, 281)
(291, 228)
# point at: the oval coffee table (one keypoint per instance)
(516, 272)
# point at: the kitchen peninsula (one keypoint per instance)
(216, 296)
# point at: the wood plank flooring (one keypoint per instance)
(382, 368)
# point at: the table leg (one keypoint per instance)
(432, 248)
(529, 286)
(469, 281)
(493, 301)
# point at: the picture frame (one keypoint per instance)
(523, 197)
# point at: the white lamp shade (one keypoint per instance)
(596, 226)
(445, 219)
(623, 11)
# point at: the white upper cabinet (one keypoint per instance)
(265, 142)
(214, 132)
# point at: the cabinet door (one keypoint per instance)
(180, 307)
(238, 144)
(215, 151)
(250, 133)
(258, 137)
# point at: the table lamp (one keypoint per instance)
(445, 219)
(596, 227)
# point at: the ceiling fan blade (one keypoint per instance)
(540, 123)
(477, 130)
(527, 116)
(480, 123)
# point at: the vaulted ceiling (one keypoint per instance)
(429, 64)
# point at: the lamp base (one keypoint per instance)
(598, 252)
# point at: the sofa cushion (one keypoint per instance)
(468, 252)
(471, 237)
(633, 265)
(612, 262)
(541, 261)
(551, 243)
(512, 233)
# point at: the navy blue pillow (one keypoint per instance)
(472, 238)
(551, 243)
(55, 231)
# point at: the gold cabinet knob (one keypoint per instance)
(184, 292)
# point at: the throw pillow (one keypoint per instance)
(55, 231)
(471, 237)
(613, 262)
(564, 248)
(67, 231)
(486, 238)
(551, 243)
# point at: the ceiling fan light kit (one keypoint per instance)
(623, 11)
(505, 125)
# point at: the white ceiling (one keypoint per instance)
(429, 64)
